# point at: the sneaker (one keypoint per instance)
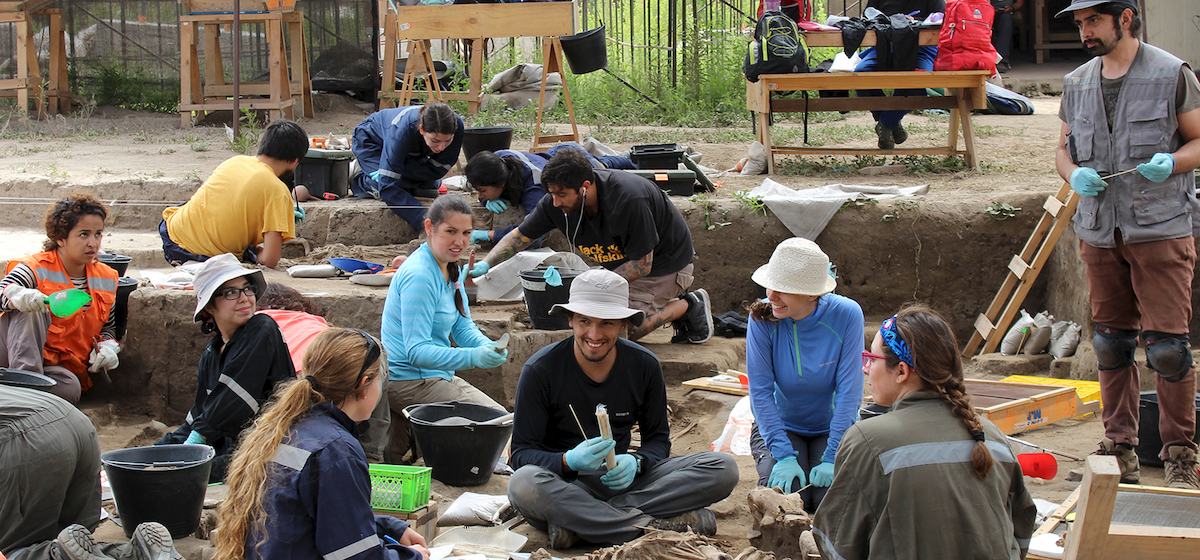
(1180, 468)
(76, 543)
(1127, 460)
(681, 332)
(561, 538)
(698, 317)
(899, 134)
(886, 140)
(700, 521)
(152, 541)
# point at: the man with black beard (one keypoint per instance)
(561, 484)
(244, 207)
(1136, 107)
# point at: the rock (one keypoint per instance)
(724, 509)
(1021, 364)
(778, 518)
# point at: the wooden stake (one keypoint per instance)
(577, 422)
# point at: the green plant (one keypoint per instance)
(247, 138)
(857, 203)
(749, 202)
(706, 206)
(1001, 211)
(118, 84)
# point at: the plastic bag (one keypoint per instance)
(1039, 338)
(1016, 336)
(735, 438)
(474, 509)
(1066, 344)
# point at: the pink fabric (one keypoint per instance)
(299, 330)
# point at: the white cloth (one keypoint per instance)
(503, 281)
(806, 212)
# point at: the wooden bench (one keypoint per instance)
(965, 91)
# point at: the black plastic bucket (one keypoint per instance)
(163, 483)
(490, 138)
(460, 453)
(540, 297)
(119, 263)
(586, 52)
(1149, 439)
(125, 286)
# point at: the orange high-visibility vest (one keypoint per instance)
(69, 340)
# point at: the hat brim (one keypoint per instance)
(1082, 4)
(202, 299)
(601, 312)
(762, 277)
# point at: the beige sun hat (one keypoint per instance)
(602, 294)
(217, 271)
(798, 266)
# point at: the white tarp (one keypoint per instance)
(806, 212)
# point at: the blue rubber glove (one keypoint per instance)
(783, 472)
(621, 476)
(481, 268)
(589, 454)
(552, 276)
(1086, 182)
(374, 175)
(480, 235)
(822, 475)
(300, 214)
(486, 356)
(497, 206)
(1158, 168)
(195, 438)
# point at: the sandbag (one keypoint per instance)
(474, 509)
(1015, 338)
(756, 162)
(1067, 343)
(1039, 338)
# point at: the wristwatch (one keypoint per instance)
(641, 463)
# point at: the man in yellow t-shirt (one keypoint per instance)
(243, 208)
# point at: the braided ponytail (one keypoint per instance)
(955, 392)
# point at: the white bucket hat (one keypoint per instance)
(217, 271)
(602, 294)
(798, 266)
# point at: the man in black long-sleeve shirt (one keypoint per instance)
(561, 484)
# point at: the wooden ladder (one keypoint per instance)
(1023, 270)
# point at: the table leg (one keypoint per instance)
(476, 78)
(387, 89)
(23, 68)
(764, 138)
(964, 113)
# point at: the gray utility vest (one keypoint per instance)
(1144, 124)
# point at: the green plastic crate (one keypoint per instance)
(399, 488)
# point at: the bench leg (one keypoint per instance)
(764, 138)
(964, 113)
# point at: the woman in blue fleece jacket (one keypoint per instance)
(804, 358)
(298, 483)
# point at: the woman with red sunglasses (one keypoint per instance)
(803, 349)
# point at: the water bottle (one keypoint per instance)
(770, 6)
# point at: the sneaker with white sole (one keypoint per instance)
(698, 318)
(76, 543)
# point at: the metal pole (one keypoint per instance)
(237, 64)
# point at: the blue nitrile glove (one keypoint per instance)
(481, 268)
(374, 175)
(486, 356)
(195, 438)
(1158, 168)
(497, 206)
(783, 472)
(480, 235)
(590, 453)
(300, 214)
(621, 476)
(552, 277)
(1086, 182)
(821, 475)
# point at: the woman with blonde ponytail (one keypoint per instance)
(930, 479)
(298, 482)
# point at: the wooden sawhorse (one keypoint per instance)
(50, 95)
(289, 84)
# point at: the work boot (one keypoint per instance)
(681, 332)
(561, 538)
(700, 521)
(1126, 459)
(152, 541)
(899, 134)
(698, 316)
(1180, 468)
(886, 140)
(76, 543)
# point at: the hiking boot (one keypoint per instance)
(152, 541)
(899, 134)
(561, 538)
(76, 543)
(1126, 459)
(700, 521)
(1180, 468)
(681, 332)
(698, 317)
(886, 140)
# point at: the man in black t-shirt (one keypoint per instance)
(628, 225)
(561, 484)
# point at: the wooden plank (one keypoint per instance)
(475, 21)
(1093, 514)
(703, 383)
(193, 6)
(263, 104)
(1137, 541)
(1019, 407)
(757, 97)
(24, 41)
(1018, 266)
(862, 151)
(247, 88)
(875, 80)
(925, 38)
(983, 326)
(821, 104)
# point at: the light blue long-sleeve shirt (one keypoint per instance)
(419, 317)
(806, 376)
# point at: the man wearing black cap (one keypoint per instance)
(1130, 142)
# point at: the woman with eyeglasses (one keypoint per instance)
(426, 305)
(803, 358)
(298, 483)
(242, 365)
(930, 479)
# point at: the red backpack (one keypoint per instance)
(965, 42)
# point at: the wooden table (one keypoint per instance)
(420, 24)
(925, 38)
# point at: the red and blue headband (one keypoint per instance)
(891, 337)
